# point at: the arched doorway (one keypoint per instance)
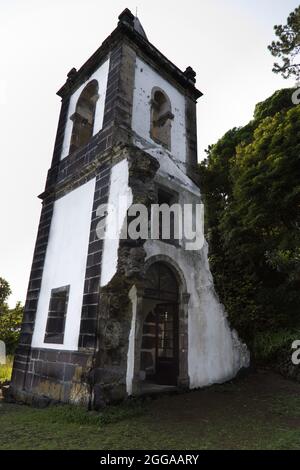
(159, 362)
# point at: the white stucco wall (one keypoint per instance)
(170, 169)
(65, 263)
(119, 200)
(131, 343)
(145, 79)
(100, 75)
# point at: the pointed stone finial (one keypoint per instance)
(139, 28)
(126, 17)
(71, 74)
(190, 74)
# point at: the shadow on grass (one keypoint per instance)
(78, 415)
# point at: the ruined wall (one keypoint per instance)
(109, 377)
(215, 353)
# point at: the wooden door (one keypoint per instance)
(167, 368)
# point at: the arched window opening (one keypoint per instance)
(161, 117)
(83, 118)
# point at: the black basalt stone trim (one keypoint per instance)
(60, 130)
(122, 32)
(89, 313)
(35, 280)
(112, 86)
(75, 162)
(62, 369)
(37, 272)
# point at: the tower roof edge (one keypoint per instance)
(129, 27)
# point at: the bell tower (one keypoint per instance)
(111, 316)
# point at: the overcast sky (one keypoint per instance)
(225, 41)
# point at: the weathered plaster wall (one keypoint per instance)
(65, 262)
(171, 168)
(145, 79)
(119, 200)
(130, 355)
(100, 75)
(111, 374)
(214, 352)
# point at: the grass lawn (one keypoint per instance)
(258, 411)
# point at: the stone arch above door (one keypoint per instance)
(178, 273)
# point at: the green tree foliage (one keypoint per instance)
(10, 326)
(10, 319)
(287, 46)
(279, 101)
(4, 292)
(251, 181)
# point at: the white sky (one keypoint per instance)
(224, 41)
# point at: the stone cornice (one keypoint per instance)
(85, 172)
(122, 32)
